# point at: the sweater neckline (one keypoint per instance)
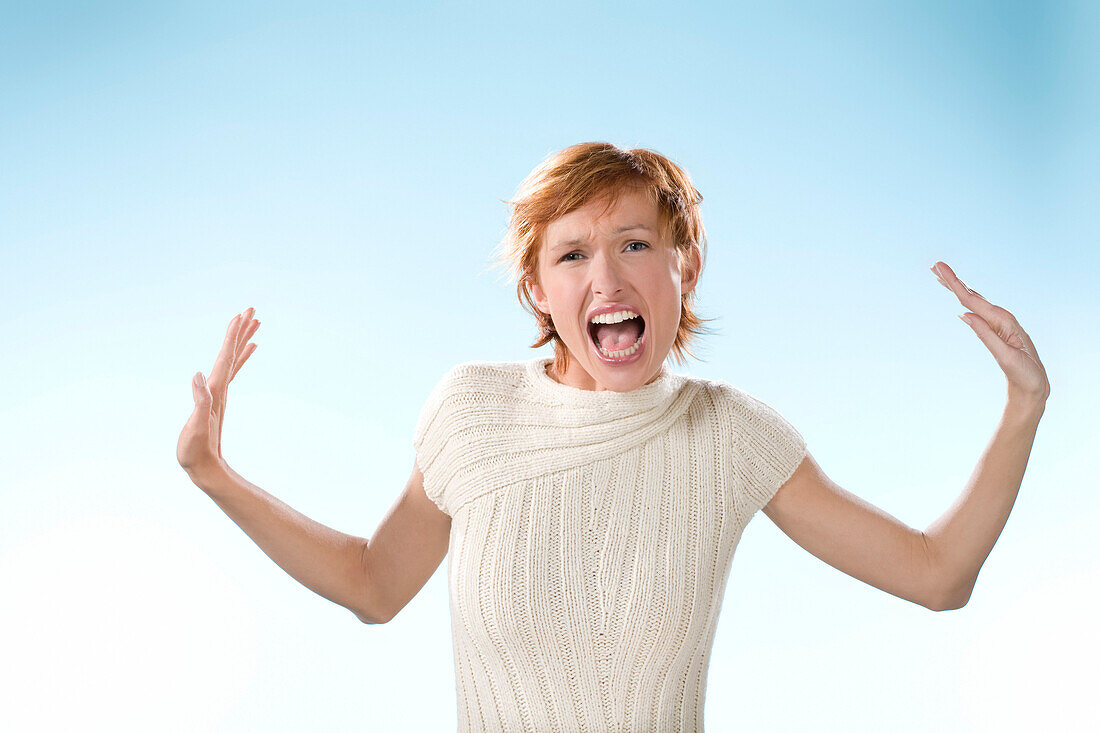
(659, 391)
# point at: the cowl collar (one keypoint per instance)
(651, 398)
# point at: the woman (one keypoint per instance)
(592, 503)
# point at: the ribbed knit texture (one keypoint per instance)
(591, 539)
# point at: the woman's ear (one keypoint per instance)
(691, 266)
(538, 295)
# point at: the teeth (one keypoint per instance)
(617, 317)
(614, 317)
(619, 354)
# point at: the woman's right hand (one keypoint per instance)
(199, 450)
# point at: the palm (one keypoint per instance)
(199, 445)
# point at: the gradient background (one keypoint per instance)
(164, 166)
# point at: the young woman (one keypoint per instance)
(591, 503)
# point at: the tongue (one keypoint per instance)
(618, 336)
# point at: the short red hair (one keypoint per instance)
(572, 177)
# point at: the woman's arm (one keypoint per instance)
(372, 579)
(406, 548)
(856, 537)
(329, 563)
(936, 568)
(325, 560)
(963, 537)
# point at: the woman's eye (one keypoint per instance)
(576, 255)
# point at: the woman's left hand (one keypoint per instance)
(1002, 335)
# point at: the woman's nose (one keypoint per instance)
(606, 278)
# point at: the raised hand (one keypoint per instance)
(1003, 336)
(199, 447)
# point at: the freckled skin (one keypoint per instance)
(609, 267)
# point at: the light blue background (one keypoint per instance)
(164, 166)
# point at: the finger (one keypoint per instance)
(223, 368)
(1009, 352)
(1003, 323)
(247, 332)
(240, 329)
(199, 421)
(969, 298)
(242, 347)
(951, 281)
(1001, 351)
(941, 275)
(220, 372)
(196, 442)
(1022, 335)
(972, 292)
(244, 357)
(1014, 334)
(200, 392)
(233, 361)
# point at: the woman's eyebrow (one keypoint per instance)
(580, 240)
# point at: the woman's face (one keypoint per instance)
(615, 265)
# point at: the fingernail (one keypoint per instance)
(966, 320)
(202, 380)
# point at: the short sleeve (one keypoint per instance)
(767, 448)
(434, 429)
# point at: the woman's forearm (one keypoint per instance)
(330, 563)
(964, 536)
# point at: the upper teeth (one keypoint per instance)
(614, 317)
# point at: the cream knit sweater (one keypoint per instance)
(591, 539)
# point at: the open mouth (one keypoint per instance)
(617, 336)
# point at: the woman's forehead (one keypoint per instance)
(632, 210)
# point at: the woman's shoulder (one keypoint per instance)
(471, 390)
(471, 383)
(718, 389)
(474, 374)
(723, 393)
